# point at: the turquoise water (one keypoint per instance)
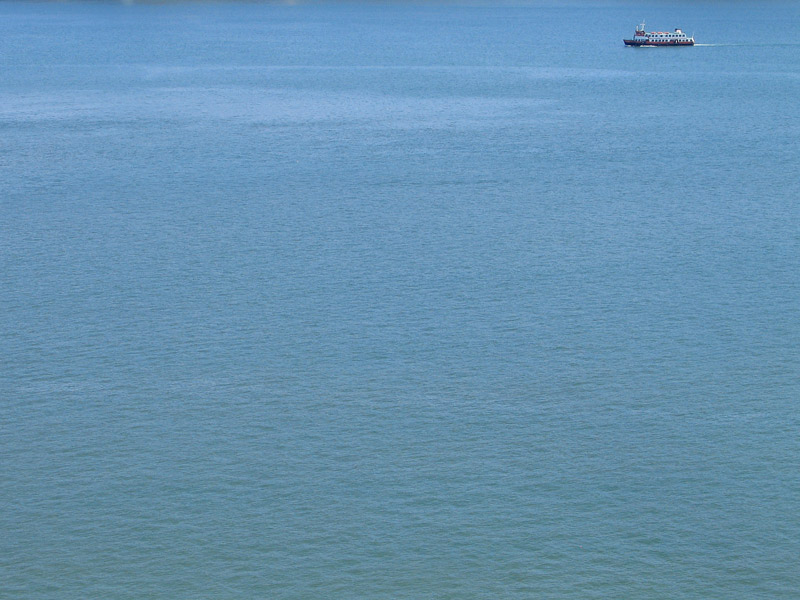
(401, 301)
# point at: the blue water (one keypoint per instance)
(399, 301)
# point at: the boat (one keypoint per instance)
(659, 38)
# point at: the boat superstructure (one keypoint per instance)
(659, 38)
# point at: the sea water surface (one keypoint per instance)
(399, 301)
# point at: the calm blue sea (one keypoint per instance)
(400, 301)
